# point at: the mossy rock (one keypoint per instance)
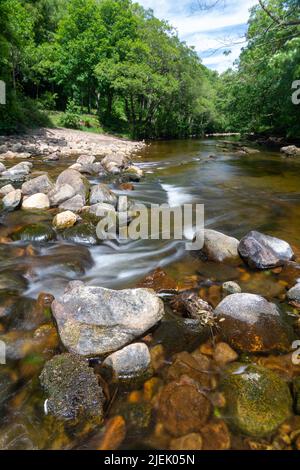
(83, 234)
(257, 400)
(34, 233)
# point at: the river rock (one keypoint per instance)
(83, 234)
(36, 201)
(264, 252)
(72, 388)
(8, 188)
(12, 200)
(231, 287)
(219, 247)
(101, 193)
(250, 323)
(73, 178)
(293, 294)
(75, 204)
(59, 194)
(258, 401)
(290, 150)
(40, 184)
(64, 220)
(99, 210)
(130, 362)
(86, 159)
(20, 170)
(2, 167)
(93, 321)
(183, 409)
(8, 155)
(114, 161)
(34, 233)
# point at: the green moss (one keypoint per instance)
(257, 400)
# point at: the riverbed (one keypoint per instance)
(258, 191)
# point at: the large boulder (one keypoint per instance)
(40, 184)
(8, 188)
(250, 323)
(12, 200)
(258, 401)
(72, 388)
(36, 201)
(130, 362)
(59, 194)
(20, 170)
(75, 204)
(219, 247)
(264, 252)
(101, 193)
(74, 179)
(93, 321)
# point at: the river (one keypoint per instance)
(240, 193)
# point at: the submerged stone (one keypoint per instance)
(258, 401)
(72, 388)
(83, 234)
(130, 362)
(183, 409)
(250, 323)
(34, 233)
(93, 321)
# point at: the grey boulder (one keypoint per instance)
(219, 247)
(40, 184)
(93, 321)
(74, 179)
(263, 251)
(12, 199)
(130, 362)
(101, 193)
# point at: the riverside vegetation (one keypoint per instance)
(141, 344)
(117, 61)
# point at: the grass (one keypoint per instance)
(90, 122)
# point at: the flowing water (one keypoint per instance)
(259, 191)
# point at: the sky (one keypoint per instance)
(211, 32)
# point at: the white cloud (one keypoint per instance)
(204, 29)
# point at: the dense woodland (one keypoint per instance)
(115, 60)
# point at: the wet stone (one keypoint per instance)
(93, 321)
(263, 251)
(183, 409)
(258, 401)
(83, 234)
(37, 233)
(250, 323)
(72, 388)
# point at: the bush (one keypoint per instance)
(71, 118)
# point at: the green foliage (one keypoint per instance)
(71, 118)
(258, 96)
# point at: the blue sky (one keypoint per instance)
(209, 31)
